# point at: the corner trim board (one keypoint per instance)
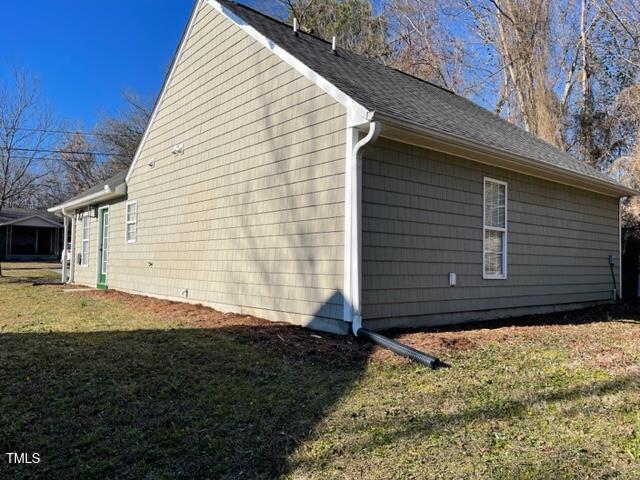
(620, 202)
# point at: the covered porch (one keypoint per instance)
(31, 238)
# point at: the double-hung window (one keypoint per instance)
(84, 254)
(494, 245)
(131, 221)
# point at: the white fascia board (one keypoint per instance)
(356, 113)
(163, 91)
(101, 196)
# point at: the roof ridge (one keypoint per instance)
(511, 125)
(350, 52)
(379, 87)
(269, 17)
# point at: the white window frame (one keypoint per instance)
(84, 262)
(485, 275)
(128, 222)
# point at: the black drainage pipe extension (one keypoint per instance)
(613, 277)
(400, 349)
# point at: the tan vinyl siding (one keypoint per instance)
(87, 275)
(422, 219)
(250, 218)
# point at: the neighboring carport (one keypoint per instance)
(27, 235)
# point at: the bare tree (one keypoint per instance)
(422, 47)
(120, 135)
(624, 19)
(81, 169)
(84, 159)
(25, 140)
(626, 168)
(556, 68)
(520, 32)
(353, 22)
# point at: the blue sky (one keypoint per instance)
(86, 53)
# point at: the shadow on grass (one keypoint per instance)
(28, 275)
(35, 280)
(189, 403)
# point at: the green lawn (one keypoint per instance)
(103, 385)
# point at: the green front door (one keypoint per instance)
(103, 247)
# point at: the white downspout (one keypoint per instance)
(72, 262)
(353, 224)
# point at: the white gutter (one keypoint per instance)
(106, 194)
(353, 224)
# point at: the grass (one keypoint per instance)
(28, 271)
(105, 387)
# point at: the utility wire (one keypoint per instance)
(49, 159)
(71, 152)
(72, 132)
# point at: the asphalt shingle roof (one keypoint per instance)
(13, 214)
(112, 183)
(407, 98)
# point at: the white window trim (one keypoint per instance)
(127, 222)
(85, 261)
(485, 275)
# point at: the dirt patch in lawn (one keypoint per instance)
(297, 342)
(605, 336)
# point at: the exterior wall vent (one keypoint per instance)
(178, 149)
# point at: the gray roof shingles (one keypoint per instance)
(407, 98)
(112, 182)
(13, 214)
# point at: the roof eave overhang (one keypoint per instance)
(105, 195)
(444, 142)
(23, 219)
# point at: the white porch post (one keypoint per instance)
(64, 249)
(72, 263)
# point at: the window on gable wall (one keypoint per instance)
(84, 253)
(494, 243)
(131, 222)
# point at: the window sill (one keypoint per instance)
(494, 277)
